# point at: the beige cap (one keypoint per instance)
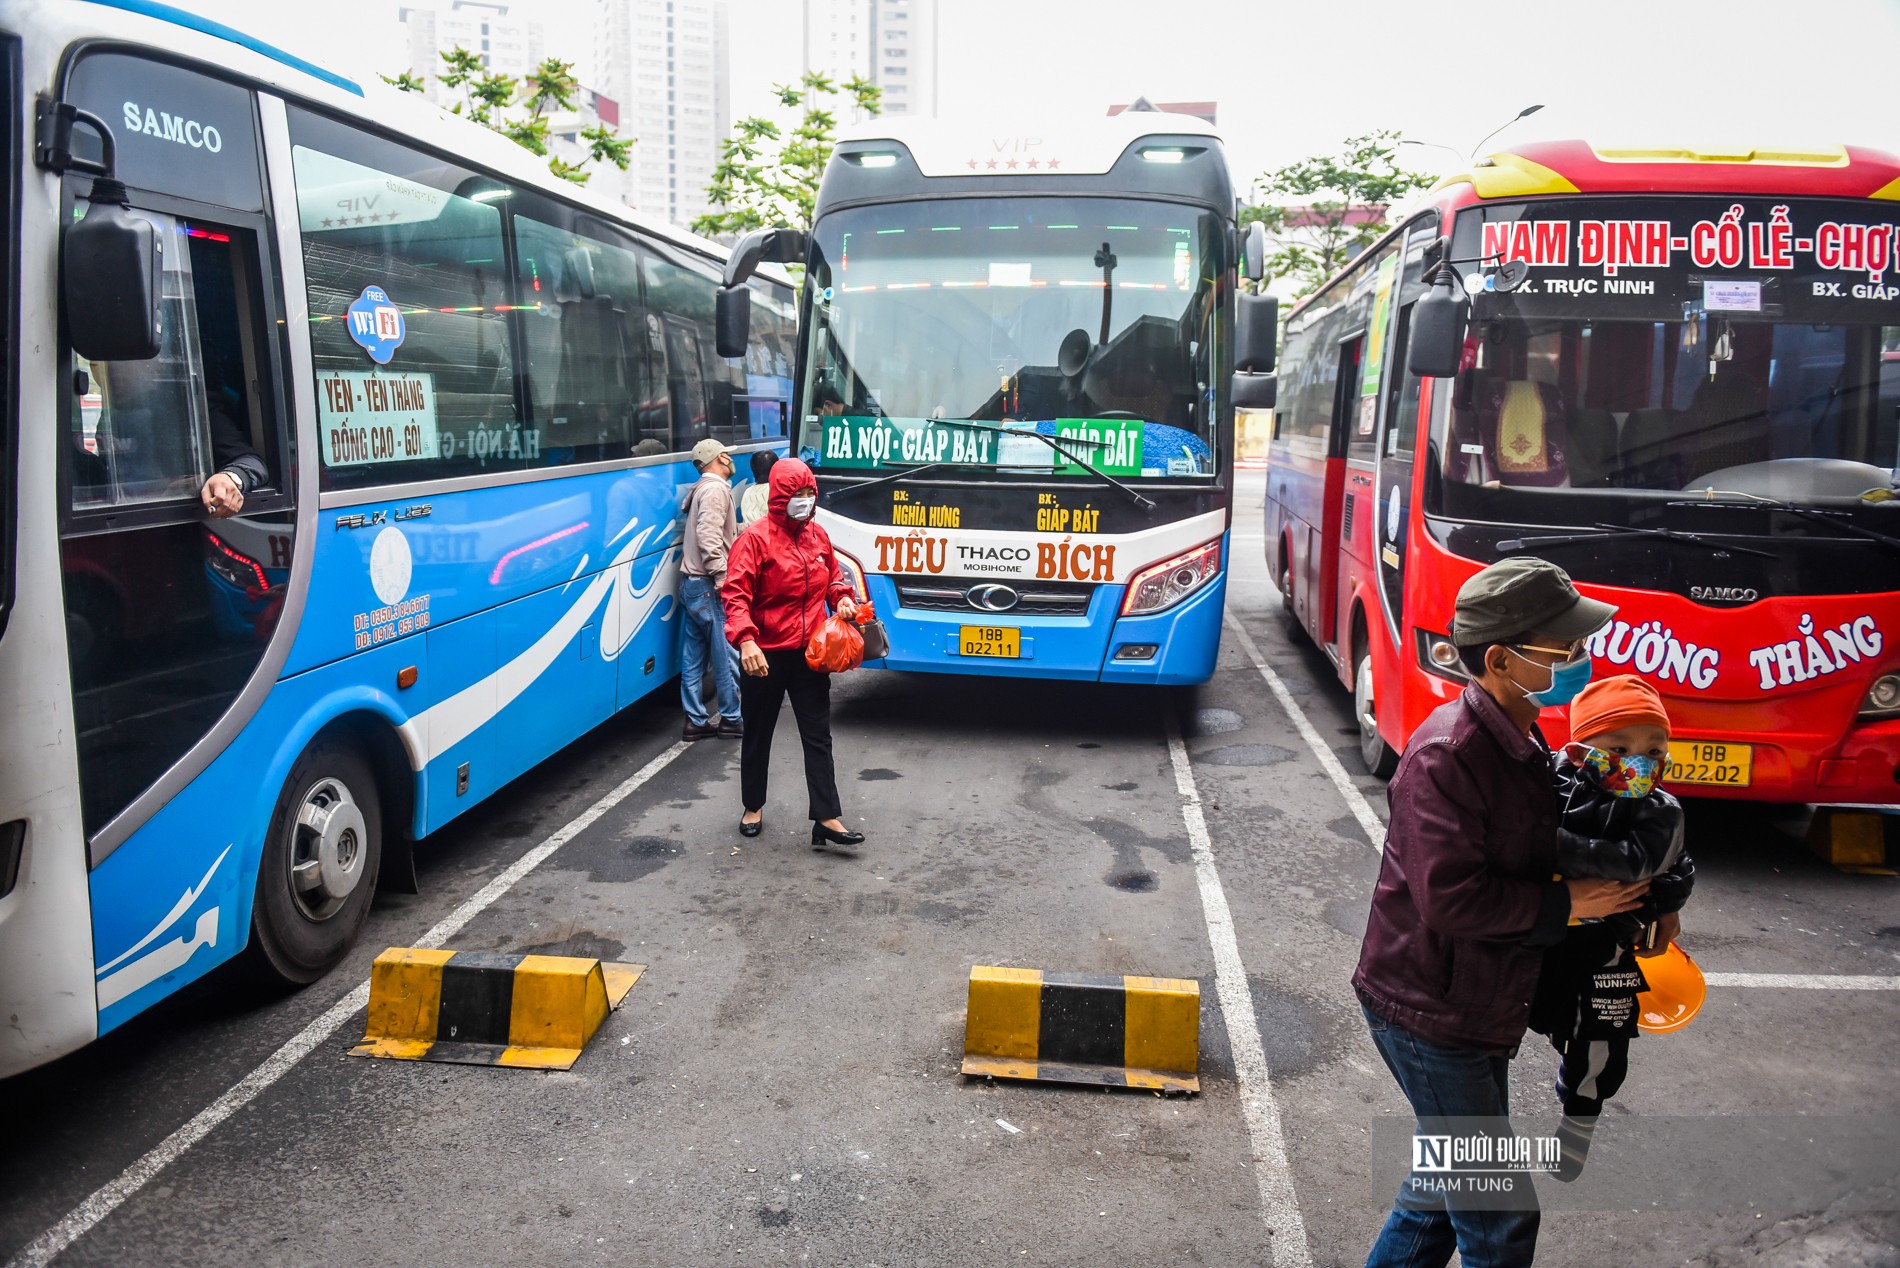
(707, 452)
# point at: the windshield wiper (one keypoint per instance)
(1607, 531)
(1834, 519)
(893, 478)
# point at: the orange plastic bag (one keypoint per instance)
(836, 646)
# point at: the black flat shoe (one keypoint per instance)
(751, 829)
(821, 836)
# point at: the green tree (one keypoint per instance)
(520, 109)
(768, 171)
(1322, 210)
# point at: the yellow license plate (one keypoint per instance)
(1710, 762)
(989, 640)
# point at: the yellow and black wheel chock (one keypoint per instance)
(489, 1008)
(1108, 1031)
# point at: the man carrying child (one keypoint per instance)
(1613, 823)
(1466, 900)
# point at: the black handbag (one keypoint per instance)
(877, 644)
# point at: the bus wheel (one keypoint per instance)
(1295, 632)
(319, 866)
(1377, 754)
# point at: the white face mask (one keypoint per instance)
(801, 509)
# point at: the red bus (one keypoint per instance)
(1675, 374)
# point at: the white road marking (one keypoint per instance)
(1279, 1204)
(1807, 981)
(77, 1222)
(1329, 761)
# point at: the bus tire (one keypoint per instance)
(1295, 632)
(320, 864)
(1378, 756)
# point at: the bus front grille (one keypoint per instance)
(993, 598)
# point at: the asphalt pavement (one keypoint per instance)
(782, 1085)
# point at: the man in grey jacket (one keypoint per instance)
(710, 527)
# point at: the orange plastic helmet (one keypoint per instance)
(1675, 994)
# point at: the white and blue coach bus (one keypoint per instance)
(1017, 388)
(464, 390)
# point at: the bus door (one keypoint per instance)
(1398, 442)
(1320, 588)
(169, 608)
(1398, 437)
(1359, 528)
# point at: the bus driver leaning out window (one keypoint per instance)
(143, 445)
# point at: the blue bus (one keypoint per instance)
(464, 391)
(1014, 387)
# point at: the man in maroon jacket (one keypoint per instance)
(1465, 902)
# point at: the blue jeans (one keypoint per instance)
(705, 636)
(1443, 1082)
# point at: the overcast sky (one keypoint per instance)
(1294, 79)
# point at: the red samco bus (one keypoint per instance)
(1675, 374)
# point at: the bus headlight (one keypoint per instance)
(1883, 698)
(1437, 655)
(854, 575)
(1165, 584)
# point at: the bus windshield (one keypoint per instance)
(1091, 319)
(1637, 412)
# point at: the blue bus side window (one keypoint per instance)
(591, 382)
(409, 301)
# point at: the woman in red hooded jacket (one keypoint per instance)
(780, 575)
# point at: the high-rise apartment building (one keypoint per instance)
(507, 43)
(892, 43)
(664, 63)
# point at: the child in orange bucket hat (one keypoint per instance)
(1613, 823)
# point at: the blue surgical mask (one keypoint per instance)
(1566, 680)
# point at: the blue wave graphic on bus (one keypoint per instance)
(627, 609)
(115, 983)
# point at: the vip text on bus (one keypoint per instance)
(1014, 386)
(1676, 375)
(453, 393)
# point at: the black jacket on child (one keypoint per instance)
(1585, 981)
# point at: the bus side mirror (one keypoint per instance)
(1255, 391)
(1254, 266)
(732, 320)
(112, 263)
(1256, 332)
(1438, 331)
(732, 313)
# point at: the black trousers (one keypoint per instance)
(1586, 1003)
(787, 674)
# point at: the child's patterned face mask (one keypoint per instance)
(1630, 775)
